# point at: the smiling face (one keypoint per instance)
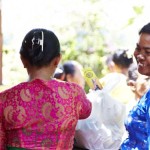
(142, 54)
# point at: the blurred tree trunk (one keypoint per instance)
(0, 43)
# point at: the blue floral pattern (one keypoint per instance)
(138, 126)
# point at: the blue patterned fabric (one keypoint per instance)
(138, 126)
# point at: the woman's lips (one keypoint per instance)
(141, 64)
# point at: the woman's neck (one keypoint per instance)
(43, 73)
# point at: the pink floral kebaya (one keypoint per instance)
(41, 115)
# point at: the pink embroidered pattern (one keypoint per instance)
(41, 115)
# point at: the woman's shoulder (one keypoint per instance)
(13, 88)
(146, 95)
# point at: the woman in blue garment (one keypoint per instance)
(138, 121)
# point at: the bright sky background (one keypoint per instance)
(19, 16)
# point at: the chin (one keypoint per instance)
(143, 71)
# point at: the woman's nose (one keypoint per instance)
(140, 57)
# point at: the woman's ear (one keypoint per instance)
(57, 60)
(24, 61)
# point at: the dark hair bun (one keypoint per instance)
(40, 46)
(122, 59)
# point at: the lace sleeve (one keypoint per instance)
(84, 105)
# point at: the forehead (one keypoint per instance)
(144, 39)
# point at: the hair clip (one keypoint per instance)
(129, 54)
(38, 41)
(42, 40)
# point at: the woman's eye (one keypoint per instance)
(137, 49)
(147, 52)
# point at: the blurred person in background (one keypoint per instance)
(70, 71)
(115, 81)
(104, 128)
(59, 74)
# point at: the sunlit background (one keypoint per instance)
(103, 24)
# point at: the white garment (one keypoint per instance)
(104, 128)
(116, 85)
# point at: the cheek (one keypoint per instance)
(148, 60)
(135, 54)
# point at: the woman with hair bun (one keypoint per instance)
(115, 82)
(41, 113)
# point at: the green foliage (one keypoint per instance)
(85, 41)
(131, 21)
(138, 9)
(13, 71)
